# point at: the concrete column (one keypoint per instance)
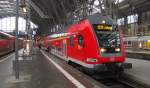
(126, 21)
(139, 18)
(126, 25)
(16, 41)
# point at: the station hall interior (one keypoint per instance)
(74, 43)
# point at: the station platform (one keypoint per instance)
(140, 71)
(139, 54)
(43, 71)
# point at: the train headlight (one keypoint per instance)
(91, 60)
(103, 50)
(117, 49)
(103, 21)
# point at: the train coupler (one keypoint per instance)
(126, 65)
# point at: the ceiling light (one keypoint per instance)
(24, 9)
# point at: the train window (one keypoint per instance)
(129, 42)
(125, 43)
(3, 36)
(71, 41)
(81, 40)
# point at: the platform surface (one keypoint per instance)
(140, 70)
(38, 72)
(138, 51)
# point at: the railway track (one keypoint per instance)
(118, 83)
(115, 81)
(112, 82)
(121, 82)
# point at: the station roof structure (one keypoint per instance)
(127, 7)
(7, 7)
(54, 12)
(48, 14)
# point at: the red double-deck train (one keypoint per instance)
(94, 43)
(7, 43)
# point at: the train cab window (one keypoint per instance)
(0, 37)
(81, 40)
(71, 41)
(129, 42)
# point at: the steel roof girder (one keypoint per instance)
(38, 10)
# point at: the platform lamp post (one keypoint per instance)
(22, 5)
(16, 42)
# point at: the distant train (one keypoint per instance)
(137, 42)
(7, 43)
(94, 43)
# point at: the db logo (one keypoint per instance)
(112, 59)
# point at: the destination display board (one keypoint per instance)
(103, 27)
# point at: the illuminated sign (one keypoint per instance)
(103, 27)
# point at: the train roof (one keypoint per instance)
(57, 35)
(94, 19)
(6, 34)
(99, 19)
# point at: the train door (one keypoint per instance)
(80, 47)
(65, 49)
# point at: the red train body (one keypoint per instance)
(7, 43)
(94, 43)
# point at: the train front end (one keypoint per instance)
(111, 48)
(111, 51)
